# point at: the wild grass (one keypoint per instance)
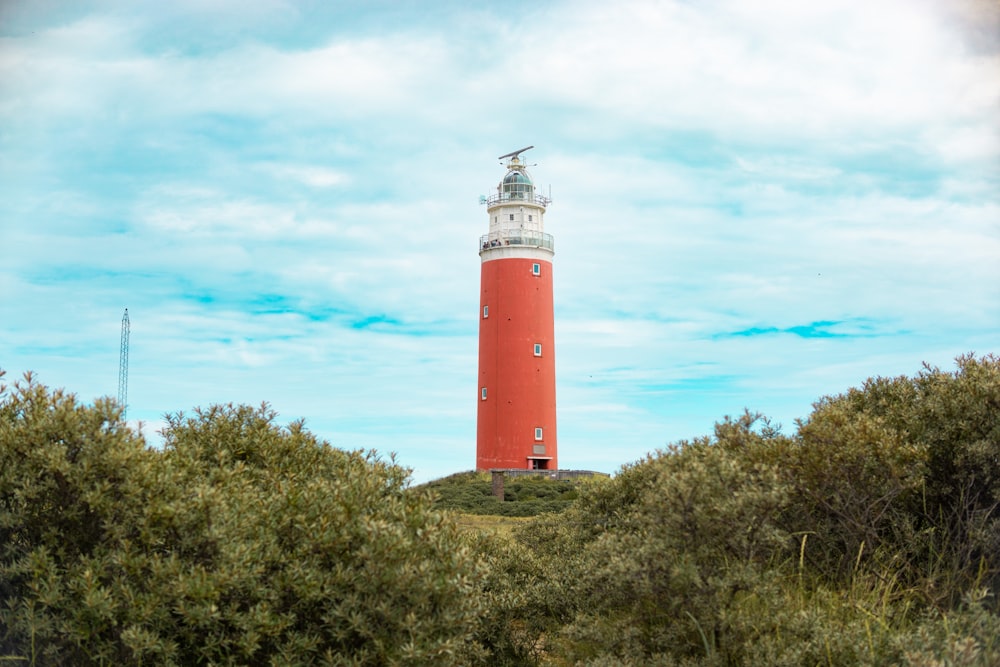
(492, 524)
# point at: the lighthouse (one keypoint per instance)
(516, 420)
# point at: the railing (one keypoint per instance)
(516, 197)
(553, 474)
(520, 238)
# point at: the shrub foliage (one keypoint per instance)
(239, 543)
(869, 535)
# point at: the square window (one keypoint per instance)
(538, 349)
(536, 269)
(482, 393)
(486, 312)
(538, 433)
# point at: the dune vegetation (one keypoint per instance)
(868, 536)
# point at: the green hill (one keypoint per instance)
(471, 492)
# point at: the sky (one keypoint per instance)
(754, 205)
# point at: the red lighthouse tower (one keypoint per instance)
(516, 426)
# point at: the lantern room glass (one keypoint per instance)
(517, 185)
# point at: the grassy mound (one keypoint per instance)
(472, 493)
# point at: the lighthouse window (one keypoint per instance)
(530, 217)
(483, 394)
(486, 312)
(511, 216)
(538, 433)
(538, 349)
(536, 269)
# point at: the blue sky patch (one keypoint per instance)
(284, 195)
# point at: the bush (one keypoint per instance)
(517, 618)
(968, 636)
(665, 551)
(905, 473)
(240, 542)
(852, 541)
(870, 536)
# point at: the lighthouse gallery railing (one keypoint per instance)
(517, 238)
(515, 197)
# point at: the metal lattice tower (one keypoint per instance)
(123, 367)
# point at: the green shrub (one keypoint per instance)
(968, 636)
(849, 542)
(240, 542)
(869, 536)
(667, 548)
(906, 471)
(512, 588)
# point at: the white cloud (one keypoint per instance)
(313, 176)
(287, 202)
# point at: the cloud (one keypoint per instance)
(752, 206)
(313, 176)
(814, 330)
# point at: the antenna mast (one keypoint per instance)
(123, 366)
(514, 154)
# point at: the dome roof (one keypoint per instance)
(517, 185)
(516, 177)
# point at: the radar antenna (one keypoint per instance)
(514, 154)
(123, 366)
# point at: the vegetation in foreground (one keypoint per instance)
(869, 536)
